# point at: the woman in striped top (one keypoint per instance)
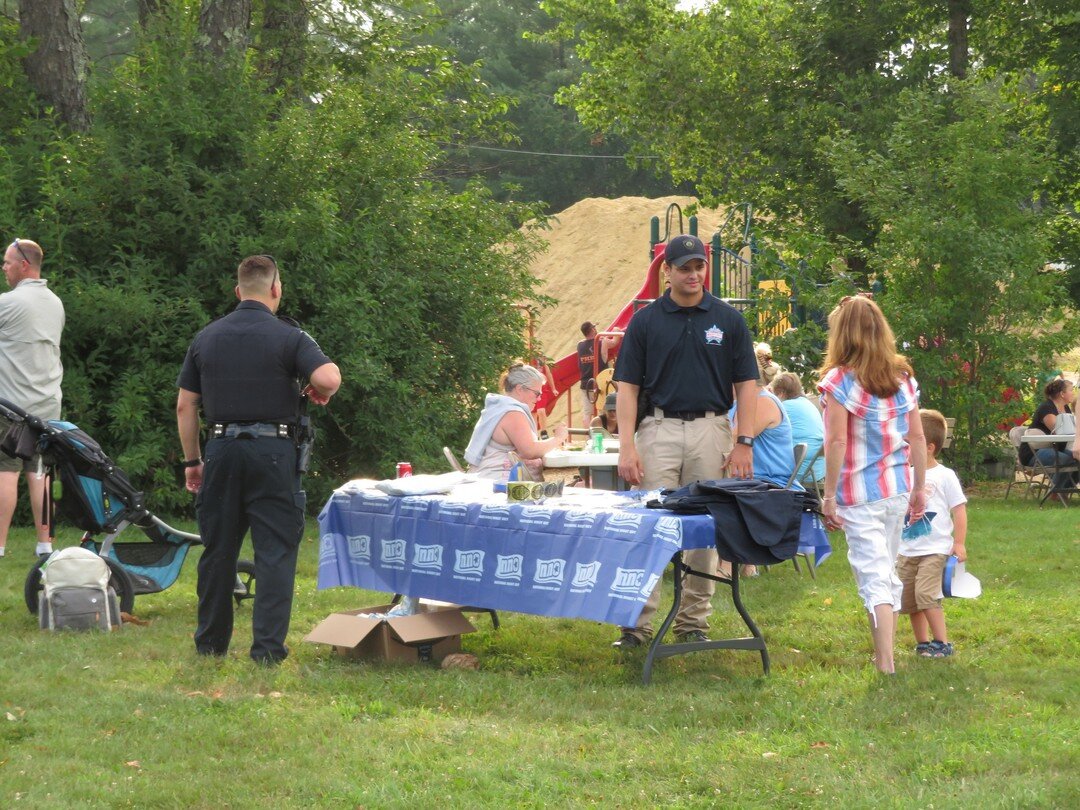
(875, 456)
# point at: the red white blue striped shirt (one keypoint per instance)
(877, 458)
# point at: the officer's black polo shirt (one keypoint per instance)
(687, 358)
(246, 366)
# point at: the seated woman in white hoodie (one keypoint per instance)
(506, 425)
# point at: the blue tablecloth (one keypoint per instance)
(577, 557)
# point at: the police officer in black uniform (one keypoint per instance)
(246, 370)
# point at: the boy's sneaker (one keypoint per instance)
(940, 649)
(923, 649)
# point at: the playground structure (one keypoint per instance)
(769, 304)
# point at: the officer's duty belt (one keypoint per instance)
(251, 430)
(686, 416)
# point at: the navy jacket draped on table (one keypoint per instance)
(756, 521)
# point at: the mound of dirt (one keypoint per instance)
(596, 262)
(597, 259)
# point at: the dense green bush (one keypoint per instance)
(410, 287)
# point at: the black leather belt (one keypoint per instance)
(251, 430)
(686, 416)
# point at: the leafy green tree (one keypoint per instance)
(191, 164)
(505, 38)
(957, 182)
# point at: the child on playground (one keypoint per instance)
(923, 554)
(875, 457)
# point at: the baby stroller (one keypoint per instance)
(93, 493)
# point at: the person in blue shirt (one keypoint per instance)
(807, 426)
(774, 452)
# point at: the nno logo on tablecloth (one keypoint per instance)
(360, 548)
(535, 515)
(393, 552)
(453, 509)
(469, 562)
(427, 556)
(650, 585)
(508, 568)
(628, 580)
(493, 513)
(327, 549)
(585, 575)
(623, 523)
(549, 572)
(579, 518)
(669, 530)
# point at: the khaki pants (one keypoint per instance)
(588, 409)
(673, 453)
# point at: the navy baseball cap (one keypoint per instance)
(682, 249)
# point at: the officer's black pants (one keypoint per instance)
(248, 483)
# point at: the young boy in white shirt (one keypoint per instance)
(926, 546)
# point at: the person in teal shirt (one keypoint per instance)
(807, 426)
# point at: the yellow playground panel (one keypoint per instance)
(774, 308)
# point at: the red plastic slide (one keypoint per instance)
(565, 370)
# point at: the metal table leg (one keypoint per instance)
(657, 649)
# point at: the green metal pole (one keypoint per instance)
(654, 236)
(715, 258)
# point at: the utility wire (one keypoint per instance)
(554, 154)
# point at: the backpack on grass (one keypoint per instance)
(76, 593)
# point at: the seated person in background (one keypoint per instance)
(1059, 399)
(607, 421)
(774, 451)
(767, 367)
(506, 426)
(807, 426)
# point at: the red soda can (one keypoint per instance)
(404, 469)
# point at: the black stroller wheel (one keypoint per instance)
(118, 580)
(32, 587)
(245, 581)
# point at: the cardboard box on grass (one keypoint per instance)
(427, 636)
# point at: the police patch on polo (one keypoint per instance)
(714, 334)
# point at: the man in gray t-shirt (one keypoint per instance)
(31, 322)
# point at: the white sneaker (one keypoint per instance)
(2, 550)
(43, 548)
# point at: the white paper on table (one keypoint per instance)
(421, 484)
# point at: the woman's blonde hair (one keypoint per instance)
(861, 339)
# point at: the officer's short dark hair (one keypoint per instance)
(256, 273)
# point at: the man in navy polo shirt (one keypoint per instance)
(691, 355)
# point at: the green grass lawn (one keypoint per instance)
(554, 716)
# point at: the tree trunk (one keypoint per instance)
(223, 26)
(56, 68)
(959, 12)
(282, 45)
(147, 9)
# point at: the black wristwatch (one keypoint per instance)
(747, 440)
(193, 462)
